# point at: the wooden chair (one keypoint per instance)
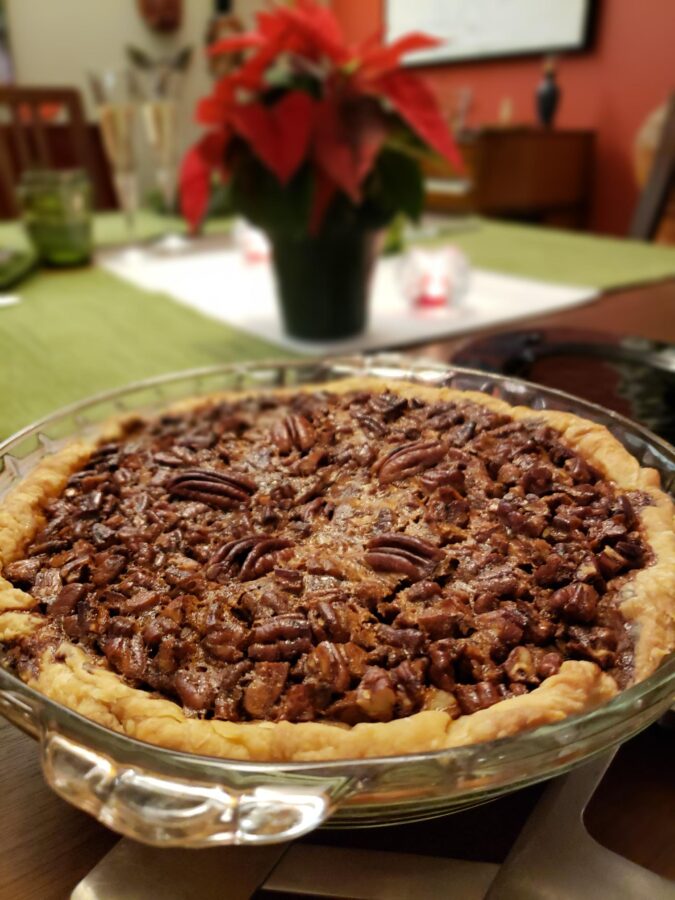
(654, 217)
(43, 128)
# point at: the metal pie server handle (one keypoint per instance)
(556, 857)
(165, 811)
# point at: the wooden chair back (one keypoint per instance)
(654, 216)
(42, 128)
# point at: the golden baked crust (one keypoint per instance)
(74, 679)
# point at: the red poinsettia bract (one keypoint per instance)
(333, 107)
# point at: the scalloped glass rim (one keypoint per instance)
(549, 737)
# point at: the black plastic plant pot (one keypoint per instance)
(323, 283)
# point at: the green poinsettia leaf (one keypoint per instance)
(397, 185)
(258, 195)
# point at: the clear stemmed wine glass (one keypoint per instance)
(159, 117)
(117, 99)
(160, 82)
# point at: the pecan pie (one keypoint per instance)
(358, 569)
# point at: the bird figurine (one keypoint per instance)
(548, 94)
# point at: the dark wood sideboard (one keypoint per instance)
(532, 174)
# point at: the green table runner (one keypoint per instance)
(565, 257)
(110, 229)
(81, 331)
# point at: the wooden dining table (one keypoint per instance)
(47, 846)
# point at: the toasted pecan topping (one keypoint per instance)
(402, 553)
(251, 556)
(351, 558)
(408, 460)
(221, 489)
(294, 432)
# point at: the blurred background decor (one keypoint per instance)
(160, 82)
(321, 144)
(434, 278)
(548, 94)
(57, 214)
(162, 15)
(654, 164)
(489, 29)
(117, 97)
(6, 65)
(224, 23)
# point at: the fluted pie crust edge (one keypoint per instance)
(72, 678)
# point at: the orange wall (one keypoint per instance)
(629, 71)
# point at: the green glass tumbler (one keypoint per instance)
(56, 209)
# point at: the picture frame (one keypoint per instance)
(492, 29)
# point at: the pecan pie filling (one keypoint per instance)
(349, 558)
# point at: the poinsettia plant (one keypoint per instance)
(312, 133)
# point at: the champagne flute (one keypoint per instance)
(116, 96)
(160, 81)
(159, 123)
(159, 116)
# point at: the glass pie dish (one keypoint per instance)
(165, 798)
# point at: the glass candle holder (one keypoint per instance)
(56, 207)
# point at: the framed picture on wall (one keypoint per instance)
(484, 29)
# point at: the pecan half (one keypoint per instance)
(287, 627)
(520, 666)
(403, 554)
(289, 579)
(334, 665)
(221, 489)
(577, 602)
(610, 562)
(442, 656)
(330, 616)
(23, 571)
(126, 655)
(375, 694)
(472, 697)
(408, 460)
(370, 424)
(294, 432)
(597, 644)
(67, 599)
(251, 556)
(265, 688)
(226, 642)
(409, 678)
(389, 406)
(444, 478)
(408, 639)
(280, 638)
(195, 689)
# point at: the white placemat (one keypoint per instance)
(220, 284)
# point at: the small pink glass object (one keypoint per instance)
(434, 279)
(252, 242)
